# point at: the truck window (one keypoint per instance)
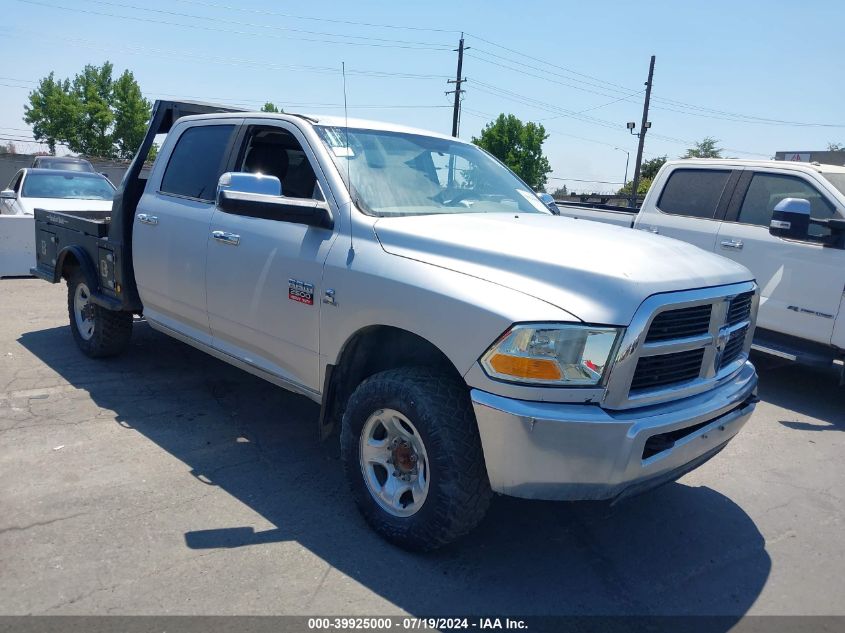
(766, 190)
(197, 162)
(693, 192)
(276, 152)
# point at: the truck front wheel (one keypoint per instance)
(413, 457)
(97, 331)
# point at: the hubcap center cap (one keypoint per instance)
(404, 457)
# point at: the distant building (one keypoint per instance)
(824, 157)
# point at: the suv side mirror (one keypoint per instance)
(8, 194)
(548, 200)
(257, 196)
(791, 219)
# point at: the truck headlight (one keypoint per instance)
(552, 354)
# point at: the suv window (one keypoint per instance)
(197, 162)
(693, 192)
(766, 190)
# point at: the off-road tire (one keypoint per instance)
(112, 329)
(459, 490)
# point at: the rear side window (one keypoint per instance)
(197, 162)
(767, 190)
(693, 192)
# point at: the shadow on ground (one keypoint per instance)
(677, 550)
(808, 391)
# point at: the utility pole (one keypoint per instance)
(456, 110)
(643, 128)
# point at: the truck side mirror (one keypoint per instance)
(245, 182)
(548, 200)
(791, 219)
(258, 196)
(8, 194)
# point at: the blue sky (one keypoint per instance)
(577, 67)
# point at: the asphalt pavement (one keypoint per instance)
(167, 482)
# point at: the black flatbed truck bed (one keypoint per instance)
(100, 242)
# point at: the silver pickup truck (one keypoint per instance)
(464, 339)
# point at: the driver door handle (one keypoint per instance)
(226, 238)
(735, 244)
(147, 219)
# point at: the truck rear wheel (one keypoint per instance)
(97, 331)
(413, 457)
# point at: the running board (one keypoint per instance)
(773, 352)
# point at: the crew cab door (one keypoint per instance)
(690, 204)
(170, 231)
(801, 282)
(264, 275)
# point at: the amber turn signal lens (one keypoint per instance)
(518, 367)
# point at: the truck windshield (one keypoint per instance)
(396, 173)
(837, 179)
(67, 185)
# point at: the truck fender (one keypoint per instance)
(77, 255)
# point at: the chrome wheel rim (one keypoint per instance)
(83, 312)
(394, 463)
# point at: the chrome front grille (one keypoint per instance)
(733, 348)
(740, 308)
(683, 343)
(667, 369)
(680, 323)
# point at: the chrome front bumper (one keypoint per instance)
(544, 450)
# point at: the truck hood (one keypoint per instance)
(597, 272)
(29, 205)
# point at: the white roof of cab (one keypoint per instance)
(782, 164)
(323, 119)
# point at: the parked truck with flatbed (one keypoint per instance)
(464, 339)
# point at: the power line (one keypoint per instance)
(686, 108)
(221, 30)
(303, 17)
(194, 16)
(522, 71)
(171, 55)
(564, 68)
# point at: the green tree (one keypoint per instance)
(836, 147)
(92, 114)
(131, 114)
(519, 146)
(51, 111)
(650, 168)
(560, 192)
(705, 148)
(642, 187)
(270, 107)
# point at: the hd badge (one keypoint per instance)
(301, 292)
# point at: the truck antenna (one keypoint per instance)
(348, 160)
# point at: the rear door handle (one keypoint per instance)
(226, 238)
(735, 244)
(147, 219)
